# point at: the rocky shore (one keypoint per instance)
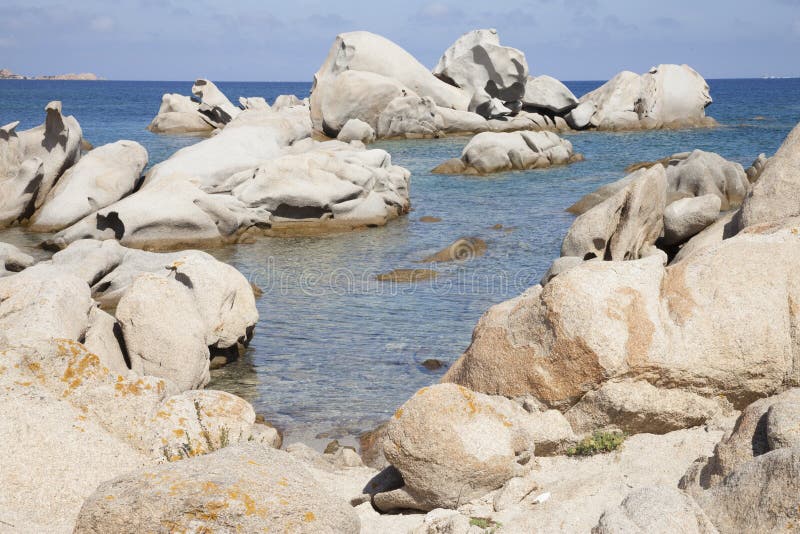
(649, 383)
(6, 74)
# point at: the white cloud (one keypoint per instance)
(102, 24)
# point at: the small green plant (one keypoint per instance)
(486, 524)
(598, 442)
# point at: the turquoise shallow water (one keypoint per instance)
(335, 352)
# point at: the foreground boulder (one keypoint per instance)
(679, 327)
(491, 152)
(667, 96)
(249, 487)
(451, 445)
(102, 177)
(486, 72)
(364, 64)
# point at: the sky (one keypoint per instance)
(268, 40)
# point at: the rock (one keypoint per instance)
(783, 425)
(514, 491)
(356, 130)
(19, 177)
(409, 117)
(485, 71)
(451, 445)
(332, 183)
(686, 217)
(454, 122)
(370, 445)
(103, 337)
(636, 407)
(288, 101)
(164, 331)
(582, 489)
(248, 487)
(40, 303)
(214, 104)
(179, 114)
(754, 171)
(546, 93)
(748, 439)
(432, 364)
(13, 260)
(443, 521)
(677, 327)
(371, 64)
(560, 265)
(430, 219)
(56, 143)
(590, 200)
(580, 117)
(666, 96)
(710, 237)
(254, 103)
(704, 173)
(623, 226)
(54, 456)
(655, 509)
(407, 275)
(774, 196)
(760, 496)
(199, 422)
(490, 152)
(99, 179)
(464, 249)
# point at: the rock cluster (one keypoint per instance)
(491, 152)
(479, 85)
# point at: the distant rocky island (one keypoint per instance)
(6, 74)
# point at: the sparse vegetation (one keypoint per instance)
(597, 443)
(486, 524)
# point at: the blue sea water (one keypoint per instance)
(335, 352)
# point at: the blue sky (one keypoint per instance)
(287, 41)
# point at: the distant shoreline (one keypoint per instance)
(6, 74)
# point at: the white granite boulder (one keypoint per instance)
(686, 217)
(376, 71)
(19, 177)
(356, 130)
(666, 96)
(491, 75)
(13, 260)
(179, 114)
(490, 152)
(546, 93)
(102, 177)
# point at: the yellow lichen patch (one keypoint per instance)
(24, 384)
(469, 396)
(249, 503)
(309, 517)
(179, 432)
(109, 497)
(421, 391)
(132, 388)
(283, 482)
(398, 414)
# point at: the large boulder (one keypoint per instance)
(706, 173)
(57, 143)
(626, 225)
(248, 487)
(409, 117)
(775, 195)
(20, 178)
(451, 444)
(102, 177)
(655, 510)
(760, 496)
(179, 114)
(666, 96)
(490, 152)
(164, 332)
(753, 435)
(686, 217)
(548, 94)
(699, 326)
(356, 130)
(485, 71)
(214, 104)
(365, 52)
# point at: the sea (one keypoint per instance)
(335, 352)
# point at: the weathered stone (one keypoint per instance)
(356, 130)
(688, 216)
(623, 226)
(13, 260)
(547, 93)
(464, 249)
(247, 487)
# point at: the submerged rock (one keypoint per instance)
(464, 249)
(407, 275)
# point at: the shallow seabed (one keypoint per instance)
(335, 352)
